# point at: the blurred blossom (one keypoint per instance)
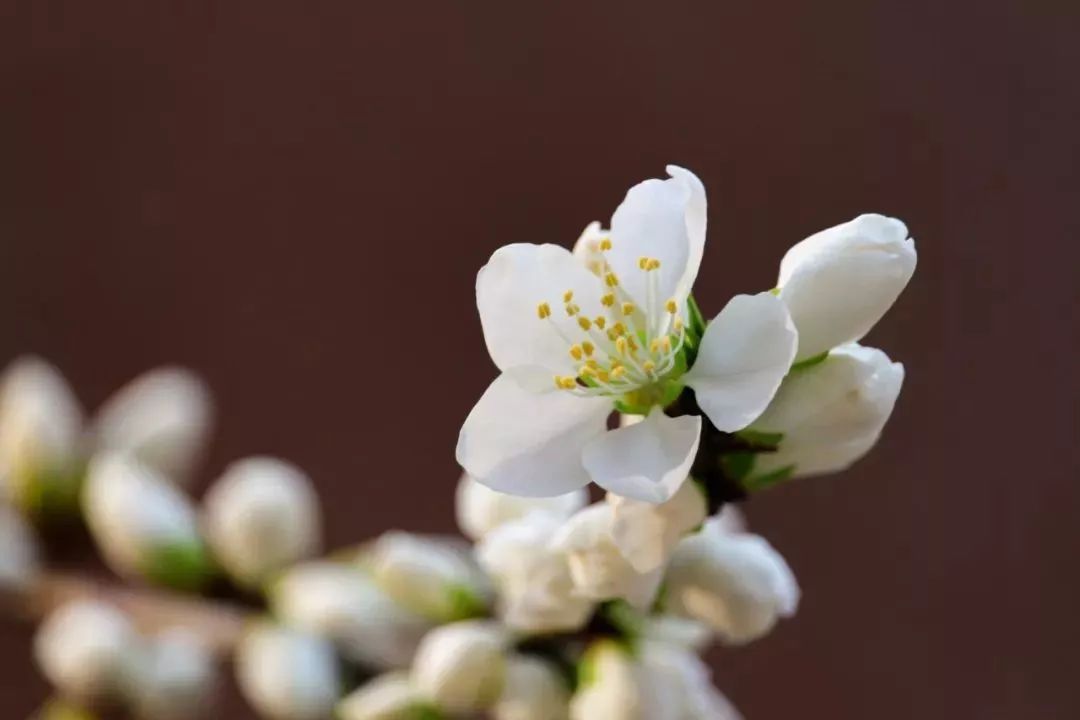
(176, 678)
(162, 417)
(678, 631)
(461, 667)
(535, 589)
(597, 566)
(41, 425)
(534, 690)
(612, 686)
(143, 525)
(480, 509)
(429, 576)
(287, 674)
(19, 557)
(342, 603)
(261, 516)
(736, 583)
(387, 697)
(89, 651)
(646, 533)
(684, 682)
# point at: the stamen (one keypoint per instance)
(600, 321)
(620, 345)
(671, 306)
(543, 310)
(584, 322)
(576, 352)
(611, 279)
(568, 296)
(572, 309)
(617, 373)
(628, 308)
(588, 348)
(608, 300)
(648, 366)
(565, 382)
(605, 244)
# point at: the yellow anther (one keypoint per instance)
(620, 345)
(595, 266)
(565, 382)
(648, 366)
(602, 375)
(608, 300)
(619, 328)
(572, 309)
(663, 344)
(643, 263)
(611, 279)
(605, 244)
(654, 345)
(568, 296)
(654, 264)
(600, 321)
(611, 335)
(543, 310)
(677, 324)
(584, 322)
(592, 364)
(588, 348)
(671, 307)
(576, 352)
(633, 343)
(628, 308)
(618, 372)
(588, 370)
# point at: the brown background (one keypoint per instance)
(293, 198)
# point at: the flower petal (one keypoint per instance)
(529, 444)
(746, 351)
(587, 247)
(647, 461)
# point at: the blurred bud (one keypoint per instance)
(461, 667)
(287, 674)
(597, 566)
(40, 438)
(737, 584)
(646, 533)
(678, 631)
(830, 414)
(534, 690)
(88, 651)
(163, 418)
(342, 603)
(481, 509)
(19, 559)
(428, 576)
(838, 283)
(612, 686)
(684, 682)
(142, 524)
(535, 592)
(262, 515)
(387, 697)
(176, 678)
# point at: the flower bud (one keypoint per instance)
(262, 515)
(646, 533)
(19, 559)
(839, 282)
(535, 590)
(342, 603)
(287, 674)
(428, 576)
(387, 697)
(142, 524)
(684, 682)
(481, 509)
(613, 686)
(737, 584)
(88, 650)
(534, 690)
(461, 667)
(830, 414)
(163, 418)
(40, 438)
(176, 679)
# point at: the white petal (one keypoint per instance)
(696, 221)
(509, 289)
(746, 351)
(529, 444)
(587, 247)
(646, 533)
(647, 461)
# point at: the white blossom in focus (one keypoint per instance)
(163, 418)
(176, 678)
(19, 557)
(461, 667)
(646, 533)
(287, 674)
(571, 343)
(480, 509)
(534, 690)
(262, 515)
(839, 282)
(388, 697)
(428, 576)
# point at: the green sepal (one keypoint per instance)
(180, 566)
(757, 483)
(737, 465)
(49, 491)
(760, 439)
(697, 320)
(463, 603)
(810, 362)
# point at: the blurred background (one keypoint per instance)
(293, 199)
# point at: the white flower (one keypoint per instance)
(618, 339)
(830, 414)
(675, 630)
(88, 650)
(646, 533)
(597, 565)
(681, 677)
(535, 590)
(838, 283)
(41, 426)
(19, 557)
(176, 678)
(162, 417)
(615, 687)
(736, 583)
(287, 674)
(535, 690)
(261, 516)
(142, 524)
(428, 576)
(388, 697)
(481, 509)
(342, 603)
(461, 667)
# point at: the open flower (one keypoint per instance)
(578, 335)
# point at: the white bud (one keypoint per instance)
(143, 525)
(88, 650)
(737, 584)
(40, 437)
(461, 667)
(176, 679)
(683, 680)
(481, 509)
(535, 590)
(387, 697)
(163, 418)
(287, 674)
(832, 413)
(839, 282)
(534, 690)
(262, 515)
(614, 687)
(597, 566)
(19, 558)
(428, 576)
(646, 533)
(342, 603)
